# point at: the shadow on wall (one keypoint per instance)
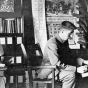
(36, 57)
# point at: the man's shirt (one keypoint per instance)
(57, 51)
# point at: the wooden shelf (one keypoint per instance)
(11, 34)
(11, 38)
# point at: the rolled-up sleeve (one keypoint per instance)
(52, 53)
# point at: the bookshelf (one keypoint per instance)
(11, 38)
(11, 25)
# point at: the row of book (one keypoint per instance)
(11, 25)
(10, 40)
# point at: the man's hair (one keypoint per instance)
(68, 25)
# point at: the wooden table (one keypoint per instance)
(82, 78)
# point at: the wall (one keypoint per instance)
(39, 21)
(29, 40)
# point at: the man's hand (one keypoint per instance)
(85, 62)
(82, 69)
(80, 61)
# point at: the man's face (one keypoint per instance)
(66, 34)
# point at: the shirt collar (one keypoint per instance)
(59, 39)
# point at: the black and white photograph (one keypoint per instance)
(43, 43)
(60, 7)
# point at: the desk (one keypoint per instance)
(82, 78)
(81, 82)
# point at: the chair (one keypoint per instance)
(32, 79)
(35, 66)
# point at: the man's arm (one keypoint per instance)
(53, 55)
(81, 61)
(85, 62)
(82, 68)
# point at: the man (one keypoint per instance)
(57, 53)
